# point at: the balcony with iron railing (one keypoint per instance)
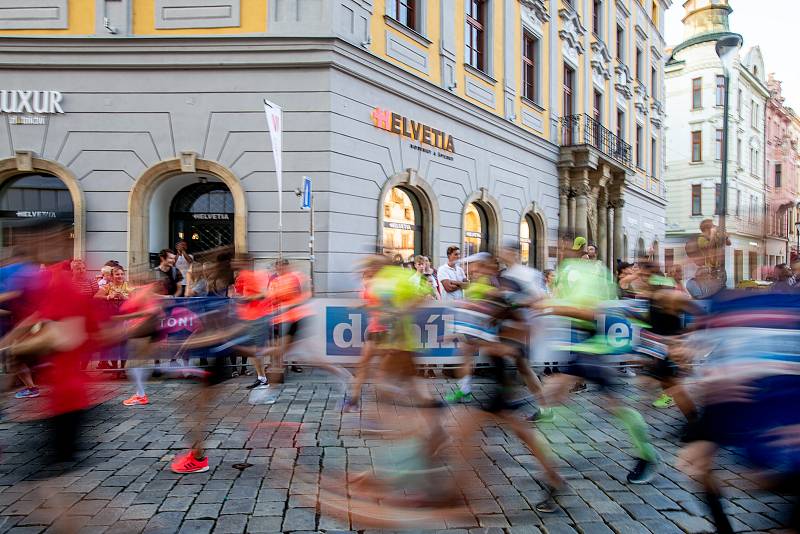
(577, 130)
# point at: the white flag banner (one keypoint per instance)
(275, 125)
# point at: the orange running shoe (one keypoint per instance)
(187, 463)
(136, 400)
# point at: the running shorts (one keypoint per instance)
(295, 329)
(591, 368)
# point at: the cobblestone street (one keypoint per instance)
(122, 482)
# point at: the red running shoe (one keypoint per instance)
(187, 463)
(136, 400)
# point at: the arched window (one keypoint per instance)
(402, 224)
(202, 214)
(529, 242)
(33, 196)
(641, 253)
(476, 229)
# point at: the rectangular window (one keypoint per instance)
(476, 34)
(751, 216)
(639, 64)
(697, 147)
(738, 202)
(697, 93)
(739, 104)
(654, 82)
(739, 152)
(778, 173)
(620, 124)
(567, 104)
(598, 106)
(530, 54)
(404, 12)
(639, 162)
(752, 160)
(653, 158)
(620, 43)
(717, 199)
(597, 16)
(718, 146)
(720, 91)
(697, 205)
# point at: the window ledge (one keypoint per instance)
(530, 103)
(480, 74)
(696, 162)
(408, 32)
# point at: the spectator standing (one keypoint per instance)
(452, 278)
(183, 261)
(169, 275)
(84, 284)
(197, 279)
(114, 293)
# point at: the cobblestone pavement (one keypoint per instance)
(122, 482)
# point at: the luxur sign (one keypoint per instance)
(29, 106)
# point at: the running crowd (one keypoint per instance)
(55, 327)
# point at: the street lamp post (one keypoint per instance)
(727, 48)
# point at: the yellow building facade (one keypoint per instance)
(554, 106)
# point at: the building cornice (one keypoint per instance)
(264, 53)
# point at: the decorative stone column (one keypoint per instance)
(602, 237)
(563, 204)
(572, 208)
(581, 204)
(610, 258)
(619, 251)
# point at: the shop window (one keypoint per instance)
(476, 229)
(33, 196)
(529, 242)
(402, 225)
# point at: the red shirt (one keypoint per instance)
(63, 374)
(288, 294)
(248, 284)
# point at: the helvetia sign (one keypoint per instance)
(416, 131)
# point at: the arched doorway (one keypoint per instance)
(23, 164)
(476, 229)
(33, 196)
(202, 215)
(152, 196)
(402, 224)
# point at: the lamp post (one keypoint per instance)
(727, 49)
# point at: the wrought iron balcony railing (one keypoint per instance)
(584, 130)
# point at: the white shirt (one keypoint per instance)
(182, 264)
(456, 274)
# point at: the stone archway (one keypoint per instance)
(537, 217)
(142, 192)
(25, 163)
(493, 211)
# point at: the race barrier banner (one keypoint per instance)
(337, 332)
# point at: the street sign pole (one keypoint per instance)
(307, 203)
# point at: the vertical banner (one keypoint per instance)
(275, 125)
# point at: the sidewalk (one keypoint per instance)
(122, 482)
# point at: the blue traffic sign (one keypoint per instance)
(306, 193)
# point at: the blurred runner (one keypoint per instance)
(253, 308)
(376, 329)
(580, 288)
